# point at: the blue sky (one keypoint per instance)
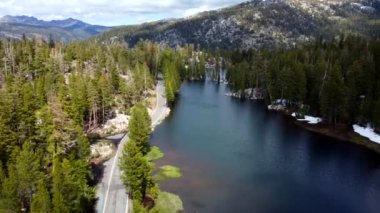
(110, 12)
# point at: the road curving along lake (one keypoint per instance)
(238, 157)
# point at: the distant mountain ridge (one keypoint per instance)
(259, 24)
(62, 30)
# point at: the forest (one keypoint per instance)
(338, 80)
(51, 96)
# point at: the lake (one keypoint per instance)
(238, 157)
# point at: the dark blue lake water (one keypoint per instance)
(238, 157)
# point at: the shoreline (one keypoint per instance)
(340, 132)
(164, 198)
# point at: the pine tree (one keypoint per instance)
(8, 131)
(115, 80)
(136, 171)
(333, 100)
(94, 104)
(58, 201)
(78, 105)
(299, 75)
(106, 95)
(9, 199)
(2, 174)
(76, 192)
(376, 115)
(139, 128)
(27, 171)
(28, 107)
(41, 199)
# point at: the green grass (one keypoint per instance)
(168, 203)
(154, 154)
(165, 202)
(167, 172)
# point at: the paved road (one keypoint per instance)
(160, 105)
(111, 192)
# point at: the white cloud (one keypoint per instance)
(110, 12)
(192, 11)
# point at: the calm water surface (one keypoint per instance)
(237, 157)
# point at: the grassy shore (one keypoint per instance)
(167, 202)
(164, 202)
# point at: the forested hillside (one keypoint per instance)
(259, 24)
(338, 80)
(51, 96)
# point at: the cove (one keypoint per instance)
(238, 157)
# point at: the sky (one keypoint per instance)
(110, 12)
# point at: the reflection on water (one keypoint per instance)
(237, 157)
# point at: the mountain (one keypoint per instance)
(259, 24)
(63, 30)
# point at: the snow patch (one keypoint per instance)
(367, 132)
(309, 119)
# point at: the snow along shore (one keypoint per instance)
(309, 119)
(367, 132)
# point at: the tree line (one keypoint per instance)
(338, 80)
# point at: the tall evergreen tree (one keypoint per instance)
(9, 199)
(139, 128)
(58, 200)
(27, 171)
(136, 171)
(333, 100)
(41, 199)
